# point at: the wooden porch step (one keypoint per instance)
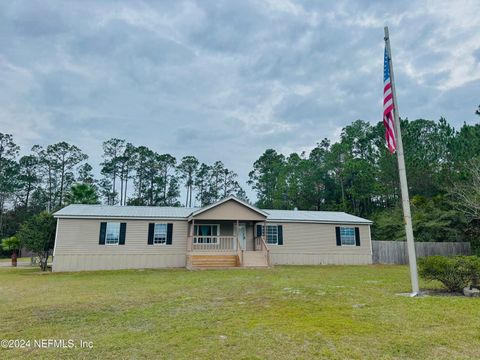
(213, 261)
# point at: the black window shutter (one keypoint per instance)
(123, 230)
(103, 231)
(259, 230)
(169, 233)
(337, 231)
(280, 235)
(151, 230)
(357, 236)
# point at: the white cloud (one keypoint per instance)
(27, 124)
(450, 43)
(285, 6)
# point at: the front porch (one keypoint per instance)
(225, 235)
(233, 244)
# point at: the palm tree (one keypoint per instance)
(11, 244)
(82, 194)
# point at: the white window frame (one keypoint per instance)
(354, 236)
(155, 232)
(110, 224)
(266, 236)
(196, 235)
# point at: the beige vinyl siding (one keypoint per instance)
(77, 246)
(230, 210)
(311, 244)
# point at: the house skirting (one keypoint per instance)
(320, 259)
(117, 261)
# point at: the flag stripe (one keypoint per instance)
(388, 98)
(388, 107)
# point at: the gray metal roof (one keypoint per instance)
(314, 216)
(76, 210)
(147, 212)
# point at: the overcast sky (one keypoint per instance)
(224, 80)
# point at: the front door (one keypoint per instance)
(242, 235)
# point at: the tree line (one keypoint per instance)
(358, 175)
(50, 177)
(157, 178)
(355, 174)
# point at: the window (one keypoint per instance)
(204, 234)
(272, 234)
(112, 234)
(347, 236)
(160, 234)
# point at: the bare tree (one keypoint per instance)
(468, 193)
(187, 169)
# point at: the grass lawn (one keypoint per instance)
(281, 313)
(23, 259)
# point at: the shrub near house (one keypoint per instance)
(455, 273)
(38, 235)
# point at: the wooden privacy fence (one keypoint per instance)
(395, 252)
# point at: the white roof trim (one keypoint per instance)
(231, 197)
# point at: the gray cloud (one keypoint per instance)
(226, 80)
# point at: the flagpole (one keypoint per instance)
(403, 178)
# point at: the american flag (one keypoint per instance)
(388, 107)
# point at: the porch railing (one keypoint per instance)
(239, 252)
(212, 243)
(261, 245)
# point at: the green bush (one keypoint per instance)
(454, 273)
(473, 266)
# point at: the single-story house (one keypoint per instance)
(228, 233)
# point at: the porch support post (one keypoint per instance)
(190, 236)
(254, 234)
(192, 226)
(236, 232)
